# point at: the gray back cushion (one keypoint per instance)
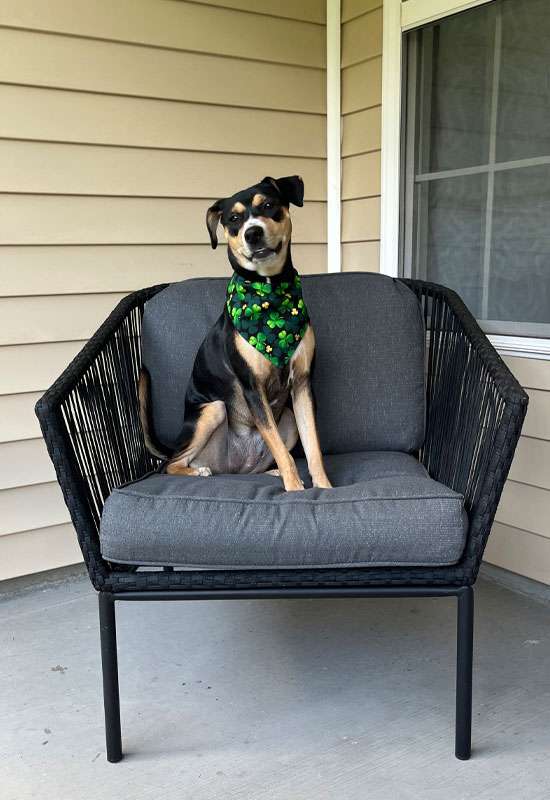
(368, 375)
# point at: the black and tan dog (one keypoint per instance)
(237, 418)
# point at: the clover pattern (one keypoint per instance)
(273, 319)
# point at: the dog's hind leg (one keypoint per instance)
(206, 450)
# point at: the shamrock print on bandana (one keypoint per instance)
(272, 318)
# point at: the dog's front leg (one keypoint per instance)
(265, 422)
(302, 402)
(304, 412)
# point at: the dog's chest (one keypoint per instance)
(238, 412)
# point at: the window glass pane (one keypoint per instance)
(457, 62)
(519, 286)
(478, 115)
(524, 86)
(454, 211)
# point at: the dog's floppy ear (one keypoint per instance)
(213, 216)
(290, 188)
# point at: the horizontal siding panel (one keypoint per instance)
(36, 551)
(51, 168)
(307, 10)
(75, 269)
(31, 219)
(537, 421)
(354, 8)
(31, 507)
(362, 256)
(531, 462)
(34, 367)
(102, 119)
(361, 176)
(532, 373)
(526, 507)
(28, 320)
(362, 86)
(309, 259)
(58, 318)
(362, 38)
(362, 131)
(25, 463)
(17, 417)
(179, 25)
(361, 220)
(519, 551)
(38, 59)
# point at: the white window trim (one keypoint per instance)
(334, 161)
(400, 16)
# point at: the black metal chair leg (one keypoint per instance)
(464, 654)
(109, 663)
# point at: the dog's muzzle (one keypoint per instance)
(266, 252)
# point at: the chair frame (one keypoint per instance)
(474, 413)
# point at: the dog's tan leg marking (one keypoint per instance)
(266, 424)
(271, 436)
(302, 402)
(211, 417)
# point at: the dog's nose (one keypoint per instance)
(254, 235)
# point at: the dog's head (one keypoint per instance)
(256, 223)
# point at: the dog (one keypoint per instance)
(255, 358)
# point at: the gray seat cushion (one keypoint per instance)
(368, 376)
(385, 510)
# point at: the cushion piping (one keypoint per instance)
(152, 497)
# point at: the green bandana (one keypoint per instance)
(273, 319)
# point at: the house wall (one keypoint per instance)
(119, 127)
(121, 122)
(361, 107)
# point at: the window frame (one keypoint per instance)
(401, 16)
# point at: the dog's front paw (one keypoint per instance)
(322, 483)
(204, 472)
(294, 484)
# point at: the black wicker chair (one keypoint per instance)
(475, 410)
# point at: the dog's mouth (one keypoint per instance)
(265, 252)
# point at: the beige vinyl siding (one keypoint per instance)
(121, 122)
(195, 27)
(361, 136)
(38, 550)
(520, 539)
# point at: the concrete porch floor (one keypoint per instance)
(273, 700)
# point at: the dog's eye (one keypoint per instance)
(268, 205)
(234, 218)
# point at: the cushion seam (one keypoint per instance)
(459, 499)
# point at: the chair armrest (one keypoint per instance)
(90, 421)
(474, 411)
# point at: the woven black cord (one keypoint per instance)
(474, 412)
(90, 421)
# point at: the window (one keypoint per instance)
(476, 177)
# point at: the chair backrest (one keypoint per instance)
(368, 374)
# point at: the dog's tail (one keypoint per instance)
(145, 414)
